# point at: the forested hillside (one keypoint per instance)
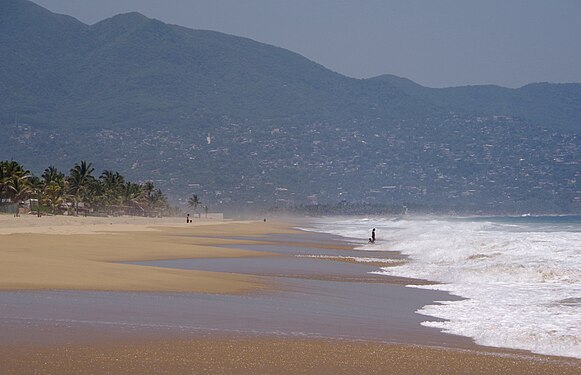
(244, 123)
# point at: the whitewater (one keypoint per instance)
(520, 276)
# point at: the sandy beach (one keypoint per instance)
(84, 254)
(139, 295)
(268, 356)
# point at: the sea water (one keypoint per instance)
(520, 276)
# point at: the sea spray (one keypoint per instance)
(521, 277)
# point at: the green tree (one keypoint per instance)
(36, 191)
(8, 170)
(53, 188)
(155, 199)
(80, 176)
(94, 195)
(194, 202)
(19, 190)
(53, 196)
(113, 186)
(52, 174)
(133, 196)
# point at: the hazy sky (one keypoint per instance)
(436, 43)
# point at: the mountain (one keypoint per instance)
(244, 123)
(130, 70)
(555, 106)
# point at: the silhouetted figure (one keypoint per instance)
(188, 218)
(373, 235)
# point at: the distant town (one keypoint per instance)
(482, 164)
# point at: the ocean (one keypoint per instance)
(520, 276)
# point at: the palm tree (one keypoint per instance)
(19, 190)
(94, 195)
(133, 195)
(53, 195)
(36, 190)
(113, 186)
(148, 188)
(3, 180)
(51, 174)
(53, 187)
(154, 198)
(11, 168)
(8, 170)
(79, 179)
(194, 202)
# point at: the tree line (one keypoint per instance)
(80, 191)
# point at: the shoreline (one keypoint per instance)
(245, 253)
(68, 253)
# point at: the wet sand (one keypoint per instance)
(307, 297)
(268, 356)
(288, 302)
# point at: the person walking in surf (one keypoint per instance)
(372, 239)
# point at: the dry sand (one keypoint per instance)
(84, 253)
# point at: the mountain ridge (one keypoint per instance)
(122, 40)
(260, 123)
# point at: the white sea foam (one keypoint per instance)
(355, 259)
(522, 279)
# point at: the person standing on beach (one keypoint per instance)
(373, 235)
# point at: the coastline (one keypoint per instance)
(53, 253)
(229, 246)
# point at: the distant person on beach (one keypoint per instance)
(187, 218)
